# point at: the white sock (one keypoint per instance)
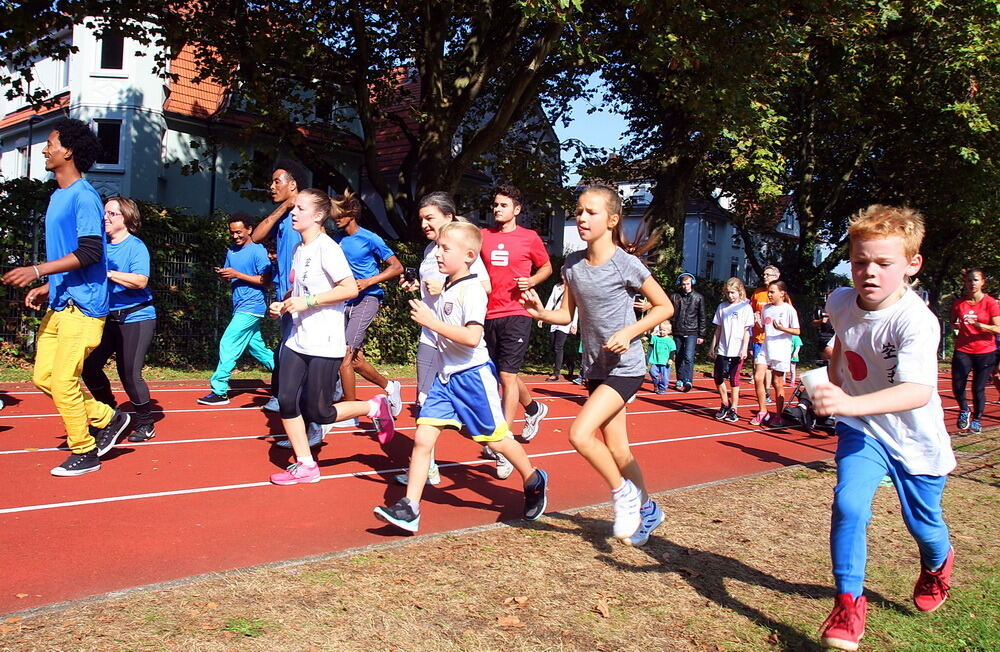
(414, 506)
(621, 487)
(372, 407)
(306, 460)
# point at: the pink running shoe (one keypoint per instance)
(297, 474)
(759, 419)
(384, 423)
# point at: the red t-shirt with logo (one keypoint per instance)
(970, 338)
(509, 256)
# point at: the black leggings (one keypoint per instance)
(129, 344)
(318, 376)
(559, 346)
(981, 366)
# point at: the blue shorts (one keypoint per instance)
(470, 399)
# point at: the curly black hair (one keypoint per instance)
(508, 190)
(79, 138)
(295, 171)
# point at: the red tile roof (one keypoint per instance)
(57, 103)
(202, 99)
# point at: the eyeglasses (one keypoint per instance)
(113, 213)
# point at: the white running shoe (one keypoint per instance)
(627, 506)
(272, 405)
(504, 467)
(394, 392)
(531, 422)
(433, 477)
(652, 517)
(487, 453)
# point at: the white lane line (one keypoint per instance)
(345, 431)
(258, 407)
(335, 476)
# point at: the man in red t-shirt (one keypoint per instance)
(516, 260)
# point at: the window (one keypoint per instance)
(709, 271)
(109, 133)
(112, 51)
(737, 240)
(710, 231)
(734, 267)
(23, 161)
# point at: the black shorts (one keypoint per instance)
(507, 341)
(727, 369)
(626, 386)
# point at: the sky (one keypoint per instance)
(600, 129)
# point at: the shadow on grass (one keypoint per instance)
(707, 573)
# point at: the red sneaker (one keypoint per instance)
(932, 589)
(845, 625)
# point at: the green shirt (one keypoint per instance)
(660, 349)
(796, 345)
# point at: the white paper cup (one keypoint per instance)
(813, 378)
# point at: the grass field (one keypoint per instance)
(741, 565)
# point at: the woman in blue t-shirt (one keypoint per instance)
(131, 320)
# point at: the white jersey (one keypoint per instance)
(460, 304)
(317, 267)
(883, 348)
(778, 344)
(733, 320)
(428, 271)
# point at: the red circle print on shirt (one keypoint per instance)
(859, 370)
(767, 321)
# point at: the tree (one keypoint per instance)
(479, 68)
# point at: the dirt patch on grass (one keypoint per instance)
(737, 566)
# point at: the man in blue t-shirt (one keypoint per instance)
(372, 262)
(247, 268)
(77, 294)
(287, 180)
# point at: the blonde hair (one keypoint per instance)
(347, 204)
(613, 203)
(879, 221)
(736, 283)
(320, 200)
(467, 231)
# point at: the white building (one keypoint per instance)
(712, 247)
(150, 127)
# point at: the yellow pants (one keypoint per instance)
(65, 338)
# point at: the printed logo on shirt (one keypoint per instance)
(889, 353)
(500, 257)
(856, 365)
(767, 321)
(448, 306)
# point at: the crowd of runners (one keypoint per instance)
(475, 300)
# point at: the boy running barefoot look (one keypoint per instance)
(464, 393)
(883, 389)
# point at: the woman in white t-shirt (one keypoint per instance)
(780, 323)
(310, 358)
(435, 210)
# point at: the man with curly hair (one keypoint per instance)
(77, 294)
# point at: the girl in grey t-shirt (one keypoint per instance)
(601, 283)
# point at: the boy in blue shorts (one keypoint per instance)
(465, 391)
(247, 269)
(883, 389)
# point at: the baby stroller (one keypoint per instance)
(799, 413)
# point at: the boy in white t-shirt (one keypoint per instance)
(465, 392)
(883, 389)
(733, 320)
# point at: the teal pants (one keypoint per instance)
(242, 333)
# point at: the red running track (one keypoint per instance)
(196, 498)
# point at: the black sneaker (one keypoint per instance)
(142, 433)
(214, 399)
(535, 497)
(78, 464)
(731, 416)
(401, 515)
(108, 436)
(722, 412)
